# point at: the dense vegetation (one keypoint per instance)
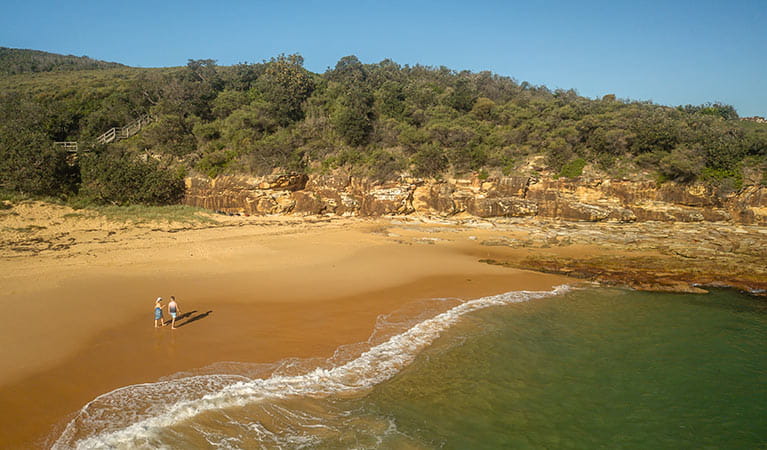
(380, 120)
(15, 61)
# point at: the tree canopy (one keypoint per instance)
(380, 120)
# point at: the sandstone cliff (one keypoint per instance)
(576, 200)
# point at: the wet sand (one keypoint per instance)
(77, 322)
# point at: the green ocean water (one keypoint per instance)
(596, 368)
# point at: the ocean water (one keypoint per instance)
(570, 368)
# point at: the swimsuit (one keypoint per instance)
(157, 313)
(172, 312)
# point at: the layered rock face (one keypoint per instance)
(577, 200)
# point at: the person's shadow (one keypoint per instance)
(192, 318)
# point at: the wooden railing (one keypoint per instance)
(119, 133)
(111, 135)
(68, 146)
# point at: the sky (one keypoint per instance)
(669, 52)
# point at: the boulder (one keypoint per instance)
(387, 200)
(434, 198)
(307, 202)
(573, 210)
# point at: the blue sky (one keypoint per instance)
(669, 52)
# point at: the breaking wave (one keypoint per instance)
(290, 404)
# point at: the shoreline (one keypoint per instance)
(260, 290)
(77, 324)
(135, 353)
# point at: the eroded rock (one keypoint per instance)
(341, 194)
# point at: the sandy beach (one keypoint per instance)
(77, 319)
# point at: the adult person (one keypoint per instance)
(174, 310)
(158, 313)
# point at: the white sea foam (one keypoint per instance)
(135, 416)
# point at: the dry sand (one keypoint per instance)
(78, 292)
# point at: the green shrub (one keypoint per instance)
(682, 164)
(353, 117)
(725, 179)
(559, 152)
(119, 177)
(384, 165)
(573, 168)
(429, 161)
(29, 162)
(281, 149)
(649, 160)
(36, 168)
(214, 163)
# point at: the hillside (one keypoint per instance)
(379, 121)
(15, 61)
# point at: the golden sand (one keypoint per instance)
(77, 320)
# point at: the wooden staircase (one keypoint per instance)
(117, 134)
(111, 135)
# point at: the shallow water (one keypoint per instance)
(594, 368)
(568, 369)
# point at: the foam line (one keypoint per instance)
(134, 415)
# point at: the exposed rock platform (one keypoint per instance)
(652, 256)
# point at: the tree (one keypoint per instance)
(241, 77)
(653, 130)
(203, 71)
(349, 71)
(353, 117)
(484, 109)
(171, 134)
(717, 109)
(285, 85)
(390, 100)
(462, 97)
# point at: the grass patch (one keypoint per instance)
(12, 197)
(141, 213)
